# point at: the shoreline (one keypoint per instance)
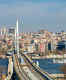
(49, 57)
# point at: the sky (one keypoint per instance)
(37, 14)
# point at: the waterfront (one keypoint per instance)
(50, 67)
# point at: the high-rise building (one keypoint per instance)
(11, 30)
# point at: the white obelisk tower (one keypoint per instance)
(22, 24)
(17, 38)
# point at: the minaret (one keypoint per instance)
(17, 38)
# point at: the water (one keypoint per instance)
(4, 65)
(4, 62)
(48, 66)
(4, 68)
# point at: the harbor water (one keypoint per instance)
(50, 67)
(4, 66)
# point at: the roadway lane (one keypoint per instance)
(14, 76)
(21, 73)
(30, 74)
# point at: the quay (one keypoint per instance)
(49, 57)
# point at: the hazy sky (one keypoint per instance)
(37, 14)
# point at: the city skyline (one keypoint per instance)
(42, 14)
